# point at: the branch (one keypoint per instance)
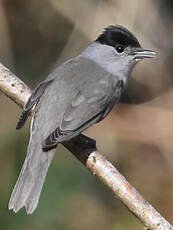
(84, 149)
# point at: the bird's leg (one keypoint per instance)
(85, 142)
(81, 144)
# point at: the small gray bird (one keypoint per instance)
(78, 94)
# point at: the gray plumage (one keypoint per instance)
(75, 96)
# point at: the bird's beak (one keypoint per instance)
(140, 53)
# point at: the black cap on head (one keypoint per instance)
(118, 35)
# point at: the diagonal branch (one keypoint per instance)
(84, 149)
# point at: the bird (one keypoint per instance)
(76, 95)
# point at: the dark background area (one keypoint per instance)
(36, 36)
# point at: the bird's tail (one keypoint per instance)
(26, 192)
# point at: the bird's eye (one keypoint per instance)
(120, 49)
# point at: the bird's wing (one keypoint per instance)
(84, 111)
(32, 101)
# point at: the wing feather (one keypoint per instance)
(33, 100)
(84, 111)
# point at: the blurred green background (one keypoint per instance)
(36, 36)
